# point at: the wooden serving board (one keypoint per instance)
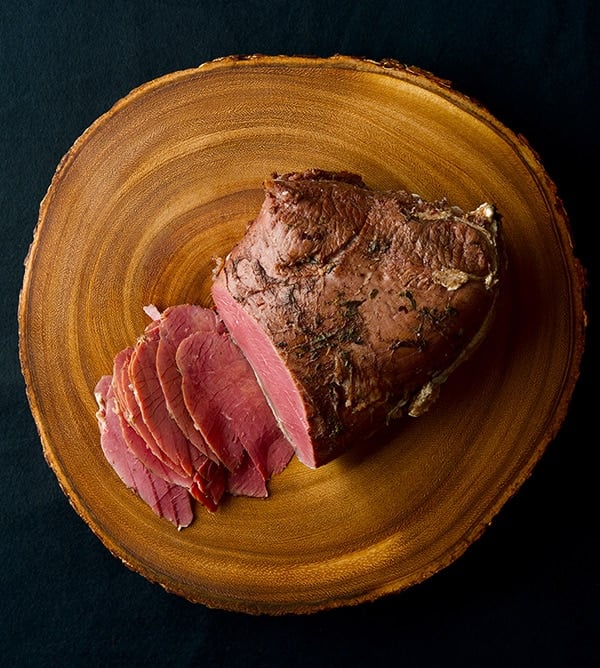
(166, 181)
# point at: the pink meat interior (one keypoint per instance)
(275, 380)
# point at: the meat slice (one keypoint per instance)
(151, 400)
(209, 484)
(354, 305)
(175, 324)
(139, 448)
(131, 411)
(247, 480)
(227, 404)
(155, 447)
(166, 499)
(206, 485)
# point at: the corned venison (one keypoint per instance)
(227, 405)
(175, 324)
(342, 308)
(154, 439)
(206, 483)
(146, 445)
(244, 472)
(166, 499)
(150, 398)
(129, 407)
(353, 305)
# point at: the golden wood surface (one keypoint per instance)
(167, 180)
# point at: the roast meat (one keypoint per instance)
(353, 305)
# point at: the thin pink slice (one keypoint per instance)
(166, 500)
(208, 388)
(227, 404)
(177, 323)
(247, 480)
(151, 400)
(130, 408)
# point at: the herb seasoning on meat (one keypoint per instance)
(353, 305)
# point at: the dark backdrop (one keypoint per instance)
(527, 593)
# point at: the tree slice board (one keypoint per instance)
(166, 181)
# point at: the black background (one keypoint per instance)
(527, 593)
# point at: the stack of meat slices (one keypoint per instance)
(182, 416)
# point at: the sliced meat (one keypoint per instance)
(247, 480)
(206, 485)
(130, 409)
(177, 323)
(201, 378)
(210, 484)
(208, 489)
(166, 499)
(227, 404)
(353, 305)
(138, 447)
(151, 400)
